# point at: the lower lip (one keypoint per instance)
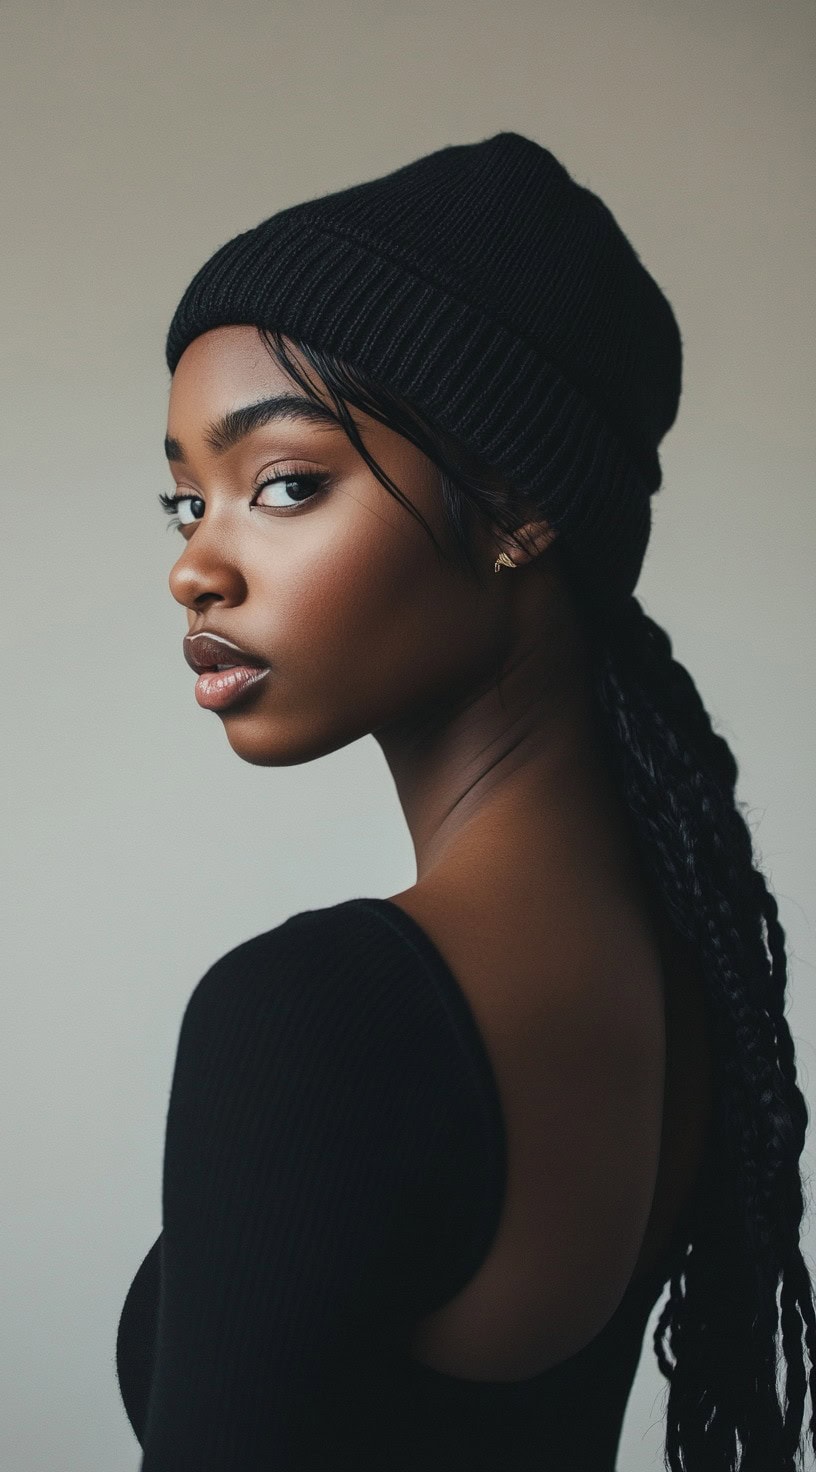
(219, 688)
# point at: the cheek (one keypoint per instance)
(367, 616)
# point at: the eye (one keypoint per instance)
(172, 503)
(312, 480)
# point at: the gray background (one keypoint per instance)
(139, 137)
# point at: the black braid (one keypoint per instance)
(721, 1318)
(716, 1339)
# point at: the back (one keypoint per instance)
(600, 1050)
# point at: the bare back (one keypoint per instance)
(598, 1039)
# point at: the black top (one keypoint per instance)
(334, 1169)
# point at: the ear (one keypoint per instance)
(528, 541)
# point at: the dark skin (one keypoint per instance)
(478, 693)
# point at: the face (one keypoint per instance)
(330, 581)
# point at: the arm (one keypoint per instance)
(312, 1102)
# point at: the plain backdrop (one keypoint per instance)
(137, 138)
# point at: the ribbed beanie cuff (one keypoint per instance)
(500, 297)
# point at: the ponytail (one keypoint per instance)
(716, 1338)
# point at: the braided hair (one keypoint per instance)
(741, 1274)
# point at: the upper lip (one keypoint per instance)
(206, 649)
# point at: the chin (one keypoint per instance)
(267, 744)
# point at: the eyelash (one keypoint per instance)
(309, 478)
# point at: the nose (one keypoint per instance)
(205, 571)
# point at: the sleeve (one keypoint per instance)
(322, 1110)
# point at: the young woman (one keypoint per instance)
(432, 1159)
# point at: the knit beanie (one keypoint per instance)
(486, 286)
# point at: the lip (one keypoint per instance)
(205, 650)
(216, 691)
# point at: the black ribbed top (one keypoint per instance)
(334, 1169)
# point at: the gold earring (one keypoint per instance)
(503, 561)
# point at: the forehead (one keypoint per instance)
(229, 365)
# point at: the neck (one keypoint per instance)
(509, 762)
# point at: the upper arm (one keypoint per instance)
(308, 1103)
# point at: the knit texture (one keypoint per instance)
(485, 285)
(335, 1167)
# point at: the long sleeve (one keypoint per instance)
(324, 1109)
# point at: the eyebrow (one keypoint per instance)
(237, 423)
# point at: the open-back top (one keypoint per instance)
(334, 1169)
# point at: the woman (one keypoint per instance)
(431, 1160)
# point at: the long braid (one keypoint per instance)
(721, 1318)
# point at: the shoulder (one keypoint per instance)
(341, 1003)
(327, 1046)
(340, 969)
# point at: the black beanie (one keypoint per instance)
(484, 285)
